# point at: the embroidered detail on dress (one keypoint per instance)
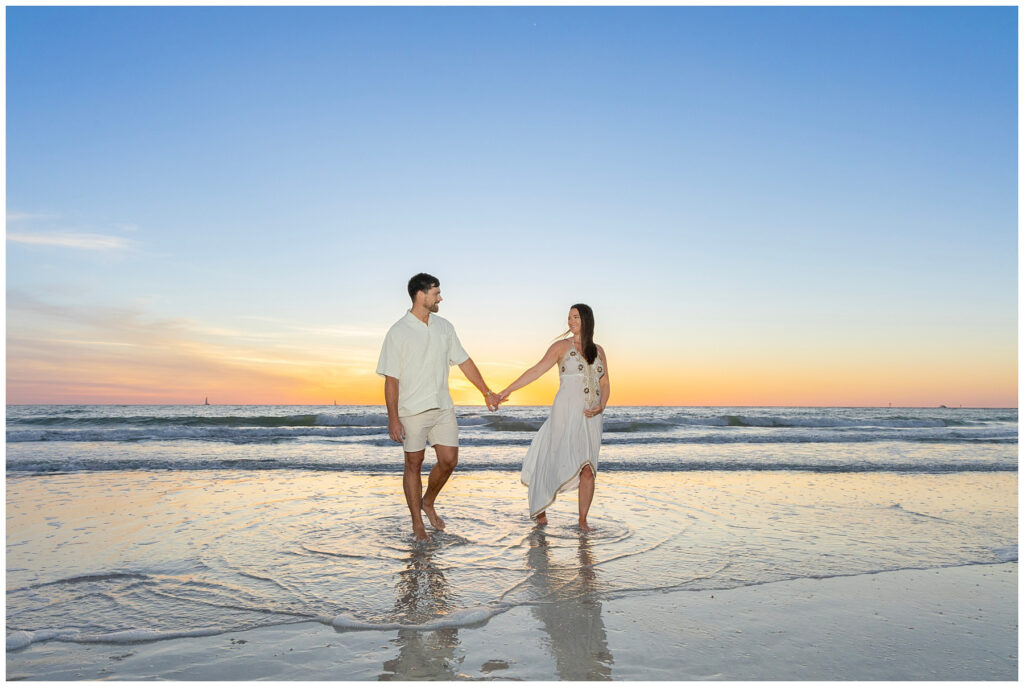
(591, 374)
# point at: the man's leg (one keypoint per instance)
(447, 459)
(413, 486)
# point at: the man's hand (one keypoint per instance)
(395, 429)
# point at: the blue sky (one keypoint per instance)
(796, 188)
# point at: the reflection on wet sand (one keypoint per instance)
(568, 607)
(423, 594)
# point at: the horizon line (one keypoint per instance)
(546, 405)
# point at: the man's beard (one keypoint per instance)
(435, 307)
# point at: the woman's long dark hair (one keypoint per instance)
(586, 332)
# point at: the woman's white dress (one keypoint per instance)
(568, 440)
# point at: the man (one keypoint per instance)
(414, 362)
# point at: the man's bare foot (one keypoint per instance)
(585, 527)
(420, 533)
(542, 518)
(432, 516)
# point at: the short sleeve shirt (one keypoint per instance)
(418, 355)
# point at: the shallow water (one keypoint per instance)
(128, 556)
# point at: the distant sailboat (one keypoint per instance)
(207, 401)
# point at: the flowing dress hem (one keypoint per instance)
(558, 491)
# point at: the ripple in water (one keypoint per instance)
(91, 559)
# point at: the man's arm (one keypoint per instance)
(469, 369)
(395, 429)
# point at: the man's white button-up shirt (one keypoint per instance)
(418, 355)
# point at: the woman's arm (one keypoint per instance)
(534, 373)
(606, 388)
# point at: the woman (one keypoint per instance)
(563, 454)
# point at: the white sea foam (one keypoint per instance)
(467, 617)
(22, 638)
(129, 636)
(185, 433)
(367, 420)
(1006, 554)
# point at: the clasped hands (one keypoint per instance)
(493, 400)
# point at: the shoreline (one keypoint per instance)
(956, 623)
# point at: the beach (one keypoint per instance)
(271, 542)
(909, 625)
(700, 574)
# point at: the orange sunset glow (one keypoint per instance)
(148, 366)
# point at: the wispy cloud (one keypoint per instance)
(68, 239)
(344, 332)
(57, 351)
(26, 216)
(352, 332)
(90, 343)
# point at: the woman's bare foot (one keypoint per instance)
(542, 518)
(585, 527)
(432, 516)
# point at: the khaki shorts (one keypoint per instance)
(437, 426)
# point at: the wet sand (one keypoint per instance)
(949, 624)
(293, 575)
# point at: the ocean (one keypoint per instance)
(51, 439)
(144, 523)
